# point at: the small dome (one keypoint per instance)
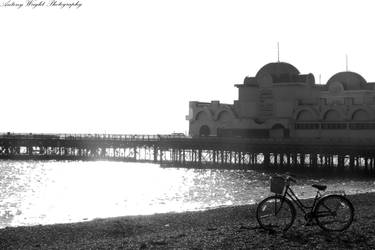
(349, 80)
(279, 71)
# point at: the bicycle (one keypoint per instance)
(332, 212)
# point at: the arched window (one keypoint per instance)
(204, 131)
(278, 126)
(224, 116)
(332, 115)
(305, 115)
(202, 116)
(278, 131)
(360, 115)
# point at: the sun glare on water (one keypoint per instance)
(61, 192)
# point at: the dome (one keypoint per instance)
(349, 80)
(279, 71)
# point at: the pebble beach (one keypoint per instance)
(220, 228)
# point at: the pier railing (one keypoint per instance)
(314, 154)
(159, 137)
(118, 137)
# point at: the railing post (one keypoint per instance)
(351, 163)
(183, 156)
(200, 156)
(155, 154)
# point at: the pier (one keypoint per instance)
(314, 155)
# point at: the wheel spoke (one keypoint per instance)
(275, 213)
(334, 213)
(324, 214)
(265, 216)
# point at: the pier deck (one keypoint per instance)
(342, 155)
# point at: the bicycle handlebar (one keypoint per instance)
(290, 177)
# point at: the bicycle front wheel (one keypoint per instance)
(334, 213)
(276, 213)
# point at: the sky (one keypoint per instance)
(116, 66)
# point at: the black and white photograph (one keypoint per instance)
(174, 124)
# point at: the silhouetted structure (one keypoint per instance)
(281, 120)
(279, 102)
(313, 155)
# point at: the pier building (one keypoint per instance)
(280, 102)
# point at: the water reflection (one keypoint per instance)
(59, 192)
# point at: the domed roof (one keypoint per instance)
(350, 80)
(278, 70)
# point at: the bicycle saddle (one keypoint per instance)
(320, 187)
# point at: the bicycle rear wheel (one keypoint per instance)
(276, 213)
(334, 213)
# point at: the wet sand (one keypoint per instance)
(222, 228)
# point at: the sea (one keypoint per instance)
(50, 192)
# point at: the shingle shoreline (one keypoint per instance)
(221, 228)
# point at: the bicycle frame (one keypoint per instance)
(292, 196)
(323, 205)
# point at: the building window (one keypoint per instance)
(305, 115)
(306, 126)
(204, 131)
(332, 115)
(360, 115)
(362, 126)
(333, 125)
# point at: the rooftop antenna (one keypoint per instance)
(278, 52)
(320, 79)
(346, 61)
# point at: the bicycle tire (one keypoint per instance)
(334, 213)
(276, 213)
